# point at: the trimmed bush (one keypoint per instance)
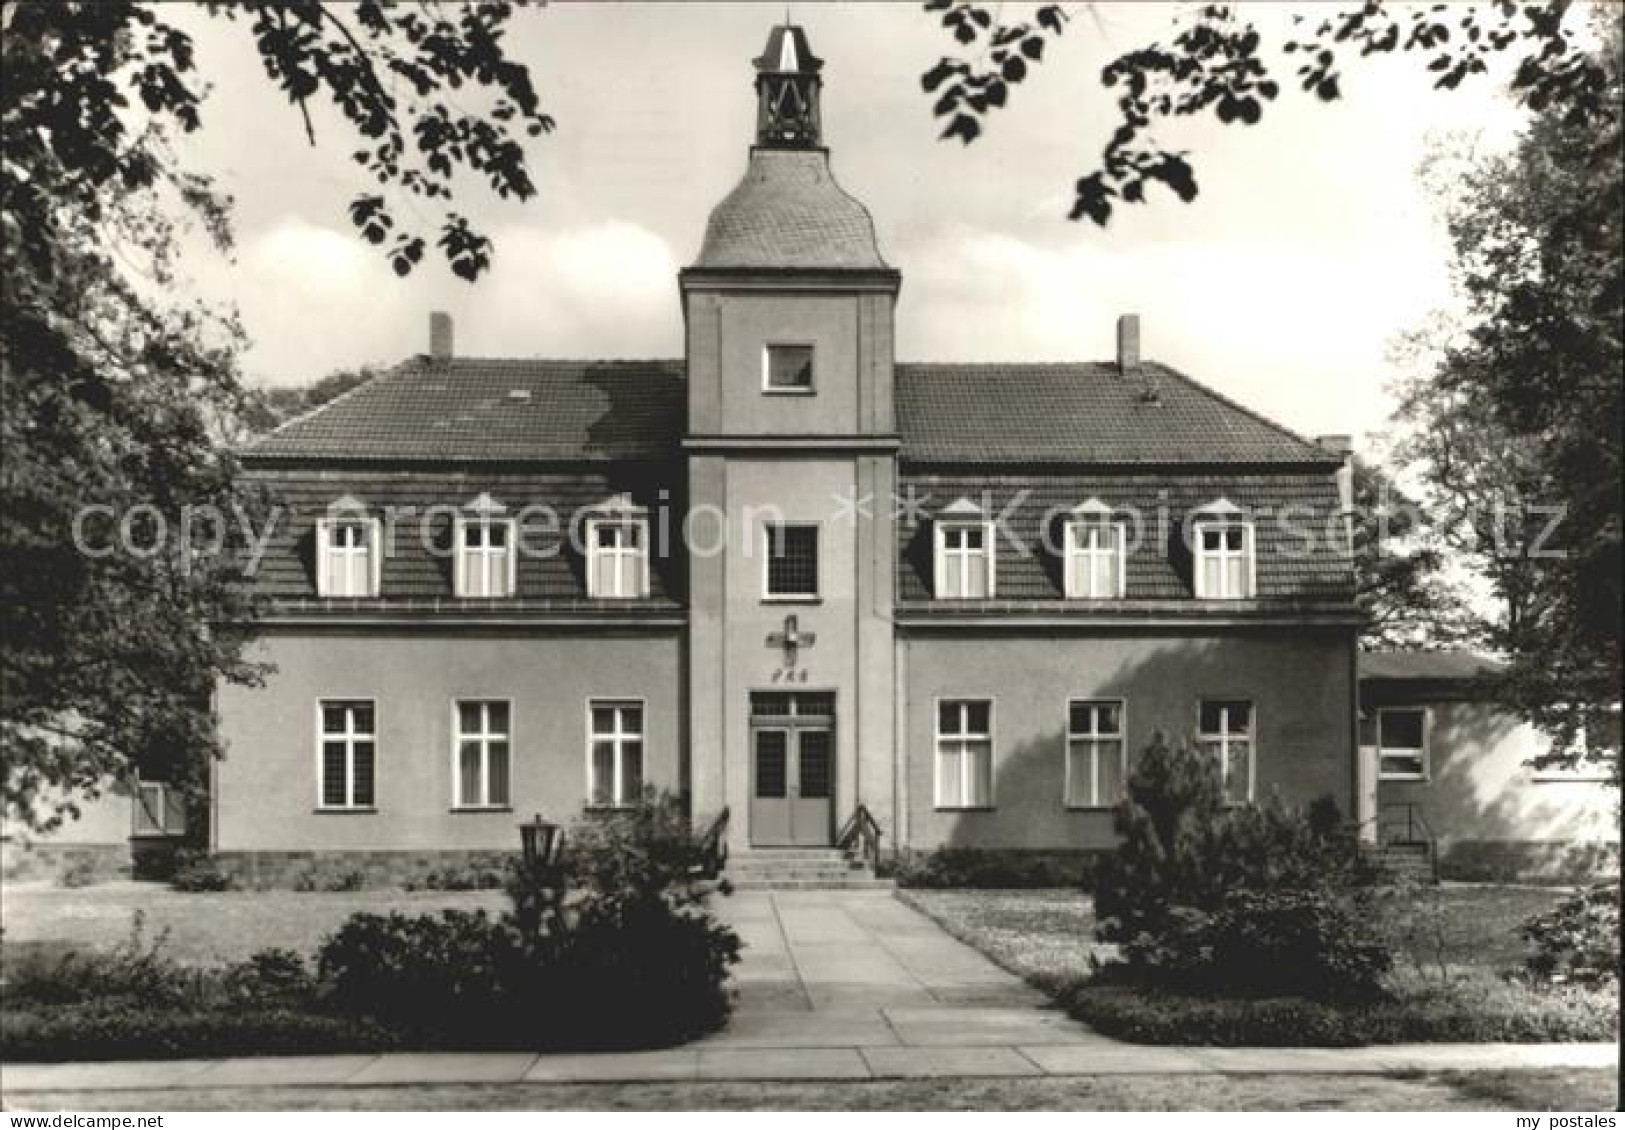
(270, 979)
(115, 1030)
(1485, 1012)
(1577, 942)
(983, 869)
(197, 871)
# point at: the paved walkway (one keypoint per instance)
(833, 985)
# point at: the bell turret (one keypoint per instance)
(787, 90)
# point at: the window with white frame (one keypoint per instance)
(487, 563)
(1402, 743)
(481, 742)
(159, 810)
(1095, 754)
(965, 753)
(1096, 547)
(1223, 553)
(349, 560)
(615, 753)
(617, 558)
(1225, 731)
(348, 754)
(788, 368)
(966, 554)
(791, 568)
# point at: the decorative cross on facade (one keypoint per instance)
(791, 639)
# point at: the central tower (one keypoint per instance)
(792, 450)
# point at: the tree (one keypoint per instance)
(272, 407)
(1399, 570)
(120, 400)
(1217, 62)
(1519, 421)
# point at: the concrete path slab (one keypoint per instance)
(985, 1027)
(454, 1067)
(672, 1064)
(1107, 1057)
(805, 1029)
(281, 1071)
(782, 1063)
(949, 1063)
(143, 1075)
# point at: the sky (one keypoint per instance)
(1310, 248)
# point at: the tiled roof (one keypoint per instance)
(495, 410)
(1081, 413)
(1398, 666)
(789, 212)
(1291, 513)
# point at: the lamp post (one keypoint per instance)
(539, 840)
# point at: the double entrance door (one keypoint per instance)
(792, 786)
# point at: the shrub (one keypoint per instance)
(487, 874)
(270, 979)
(197, 871)
(107, 1030)
(446, 972)
(1252, 900)
(327, 877)
(979, 869)
(135, 972)
(81, 872)
(613, 941)
(1577, 942)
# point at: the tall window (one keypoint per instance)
(482, 742)
(1095, 754)
(159, 810)
(617, 558)
(486, 561)
(349, 557)
(965, 561)
(349, 754)
(965, 753)
(615, 754)
(1094, 559)
(1402, 744)
(788, 368)
(1226, 732)
(792, 561)
(1224, 555)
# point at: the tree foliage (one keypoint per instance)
(1399, 570)
(1218, 63)
(1516, 425)
(119, 393)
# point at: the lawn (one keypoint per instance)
(218, 927)
(1046, 938)
(1502, 1090)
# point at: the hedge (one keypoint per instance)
(118, 1030)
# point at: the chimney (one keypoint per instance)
(1128, 343)
(440, 339)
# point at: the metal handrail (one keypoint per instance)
(862, 828)
(714, 846)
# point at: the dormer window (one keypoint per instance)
(1096, 547)
(1222, 553)
(966, 557)
(787, 368)
(618, 551)
(349, 557)
(487, 562)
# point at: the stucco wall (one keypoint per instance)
(1488, 808)
(265, 789)
(1298, 679)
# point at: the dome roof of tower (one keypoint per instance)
(789, 212)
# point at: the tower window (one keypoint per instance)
(789, 368)
(792, 562)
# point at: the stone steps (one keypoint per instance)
(1409, 860)
(799, 869)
